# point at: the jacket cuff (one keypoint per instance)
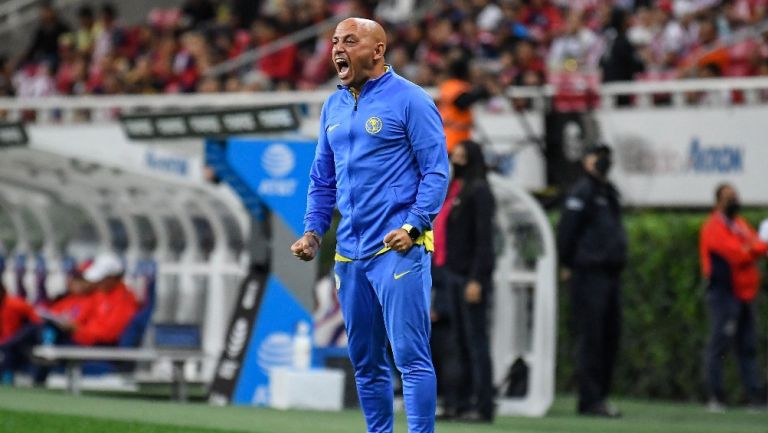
(416, 222)
(310, 227)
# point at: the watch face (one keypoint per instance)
(414, 233)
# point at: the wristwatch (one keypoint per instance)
(413, 232)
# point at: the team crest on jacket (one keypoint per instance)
(373, 125)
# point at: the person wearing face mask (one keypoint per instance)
(729, 250)
(592, 245)
(463, 262)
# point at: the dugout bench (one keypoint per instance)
(73, 358)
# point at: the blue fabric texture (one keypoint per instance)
(381, 159)
(382, 298)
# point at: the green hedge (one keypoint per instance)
(665, 321)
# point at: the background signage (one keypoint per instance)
(12, 134)
(218, 123)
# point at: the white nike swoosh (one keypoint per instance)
(332, 127)
(401, 275)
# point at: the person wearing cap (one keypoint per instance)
(114, 304)
(592, 246)
(77, 303)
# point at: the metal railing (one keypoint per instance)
(103, 108)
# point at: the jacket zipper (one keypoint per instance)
(351, 181)
(349, 158)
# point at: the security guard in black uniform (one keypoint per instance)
(592, 245)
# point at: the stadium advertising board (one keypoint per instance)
(211, 123)
(12, 134)
(238, 335)
(677, 158)
(270, 305)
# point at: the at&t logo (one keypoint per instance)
(278, 160)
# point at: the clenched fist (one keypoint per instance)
(398, 240)
(306, 247)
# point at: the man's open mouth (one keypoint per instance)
(342, 67)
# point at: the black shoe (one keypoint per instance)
(605, 410)
(474, 416)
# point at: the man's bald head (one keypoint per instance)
(367, 28)
(358, 51)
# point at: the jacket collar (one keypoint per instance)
(373, 83)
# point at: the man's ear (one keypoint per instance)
(379, 51)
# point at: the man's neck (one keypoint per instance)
(376, 73)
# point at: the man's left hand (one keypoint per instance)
(398, 240)
(473, 293)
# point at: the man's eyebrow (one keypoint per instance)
(344, 36)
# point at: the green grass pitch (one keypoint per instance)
(38, 411)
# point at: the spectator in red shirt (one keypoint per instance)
(19, 331)
(115, 305)
(279, 66)
(543, 19)
(729, 250)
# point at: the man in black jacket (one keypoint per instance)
(45, 42)
(621, 61)
(592, 245)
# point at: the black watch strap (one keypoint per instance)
(413, 232)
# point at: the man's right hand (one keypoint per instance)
(306, 247)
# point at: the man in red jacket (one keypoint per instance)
(77, 303)
(730, 249)
(114, 304)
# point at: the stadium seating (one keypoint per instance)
(176, 50)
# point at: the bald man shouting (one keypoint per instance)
(381, 159)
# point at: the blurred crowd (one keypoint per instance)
(519, 42)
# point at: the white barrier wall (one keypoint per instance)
(676, 157)
(672, 157)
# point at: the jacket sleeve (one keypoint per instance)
(321, 196)
(424, 127)
(483, 260)
(106, 328)
(757, 247)
(569, 228)
(30, 315)
(718, 240)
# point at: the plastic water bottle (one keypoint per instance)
(302, 347)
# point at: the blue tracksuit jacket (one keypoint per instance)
(382, 159)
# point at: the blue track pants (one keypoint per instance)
(387, 297)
